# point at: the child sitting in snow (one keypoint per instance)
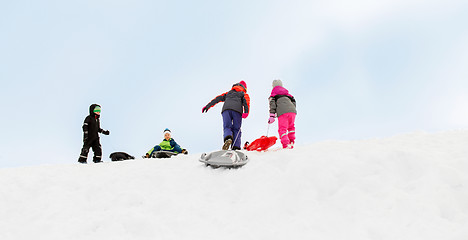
(168, 144)
(283, 106)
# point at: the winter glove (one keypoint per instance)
(245, 115)
(106, 132)
(204, 110)
(272, 118)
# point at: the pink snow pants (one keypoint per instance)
(286, 128)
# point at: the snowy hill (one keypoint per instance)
(412, 186)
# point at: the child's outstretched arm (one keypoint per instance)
(105, 132)
(216, 100)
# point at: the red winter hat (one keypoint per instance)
(243, 84)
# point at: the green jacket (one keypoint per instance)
(166, 145)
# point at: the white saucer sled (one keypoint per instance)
(224, 158)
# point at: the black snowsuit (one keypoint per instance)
(91, 130)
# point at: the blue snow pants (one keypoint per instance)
(176, 149)
(232, 122)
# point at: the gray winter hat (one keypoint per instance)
(277, 83)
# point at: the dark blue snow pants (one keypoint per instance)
(156, 148)
(232, 122)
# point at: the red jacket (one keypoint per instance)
(236, 99)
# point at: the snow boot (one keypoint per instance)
(227, 143)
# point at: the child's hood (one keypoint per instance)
(238, 87)
(92, 107)
(278, 90)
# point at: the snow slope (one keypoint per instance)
(412, 186)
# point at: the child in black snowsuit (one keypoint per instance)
(91, 130)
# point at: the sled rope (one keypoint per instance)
(238, 133)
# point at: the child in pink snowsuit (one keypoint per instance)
(283, 105)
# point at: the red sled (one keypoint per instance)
(261, 144)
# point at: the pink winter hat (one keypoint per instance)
(243, 84)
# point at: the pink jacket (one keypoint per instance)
(281, 101)
(278, 90)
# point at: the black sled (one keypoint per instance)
(164, 154)
(120, 156)
(161, 154)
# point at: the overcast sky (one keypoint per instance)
(358, 69)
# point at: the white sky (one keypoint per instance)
(358, 69)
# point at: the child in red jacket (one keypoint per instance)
(236, 107)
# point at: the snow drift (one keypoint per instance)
(412, 186)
